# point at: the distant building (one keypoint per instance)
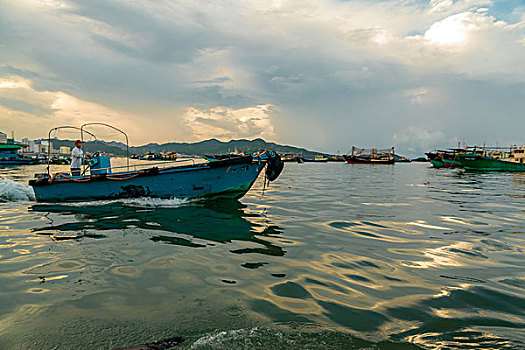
(65, 150)
(43, 146)
(3, 137)
(25, 141)
(32, 147)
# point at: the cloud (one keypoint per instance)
(336, 73)
(453, 30)
(416, 138)
(33, 112)
(226, 123)
(419, 95)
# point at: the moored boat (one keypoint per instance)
(495, 161)
(316, 159)
(10, 154)
(450, 158)
(231, 177)
(435, 159)
(370, 156)
(336, 158)
(290, 157)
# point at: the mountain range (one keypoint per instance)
(211, 146)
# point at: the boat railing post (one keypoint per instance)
(83, 162)
(127, 150)
(48, 157)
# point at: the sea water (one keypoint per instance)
(329, 256)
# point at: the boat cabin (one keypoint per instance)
(11, 152)
(517, 154)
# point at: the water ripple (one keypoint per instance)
(331, 255)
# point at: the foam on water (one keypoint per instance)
(269, 339)
(12, 191)
(134, 202)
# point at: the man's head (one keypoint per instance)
(78, 143)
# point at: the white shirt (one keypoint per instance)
(76, 158)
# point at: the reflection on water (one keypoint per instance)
(196, 225)
(344, 256)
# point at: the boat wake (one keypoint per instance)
(261, 338)
(140, 202)
(12, 191)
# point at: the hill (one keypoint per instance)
(212, 146)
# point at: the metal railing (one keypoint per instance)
(49, 141)
(109, 126)
(151, 164)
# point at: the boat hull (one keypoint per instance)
(474, 162)
(353, 160)
(437, 163)
(304, 160)
(18, 162)
(452, 163)
(222, 179)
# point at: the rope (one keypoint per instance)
(264, 184)
(109, 177)
(69, 178)
(116, 178)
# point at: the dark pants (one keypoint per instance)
(75, 171)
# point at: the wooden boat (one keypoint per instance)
(10, 155)
(214, 157)
(316, 159)
(336, 159)
(450, 158)
(495, 160)
(370, 156)
(231, 177)
(435, 159)
(290, 157)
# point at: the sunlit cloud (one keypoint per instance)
(227, 123)
(33, 112)
(452, 30)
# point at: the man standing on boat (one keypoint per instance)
(77, 156)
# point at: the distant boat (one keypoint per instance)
(10, 155)
(484, 160)
(445, 158)
(451, 158)
(214, 157)
(316, 159)
(231, 177)
(435, 159)
(399, 159)
(60, 160)
(290, 157)
(336, 159)
(370, 156)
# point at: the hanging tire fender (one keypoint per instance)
(274, 166)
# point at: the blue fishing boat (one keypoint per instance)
(10, 155)
(229, 177)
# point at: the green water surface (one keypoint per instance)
(331, 256)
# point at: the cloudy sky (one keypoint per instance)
(321, 74)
